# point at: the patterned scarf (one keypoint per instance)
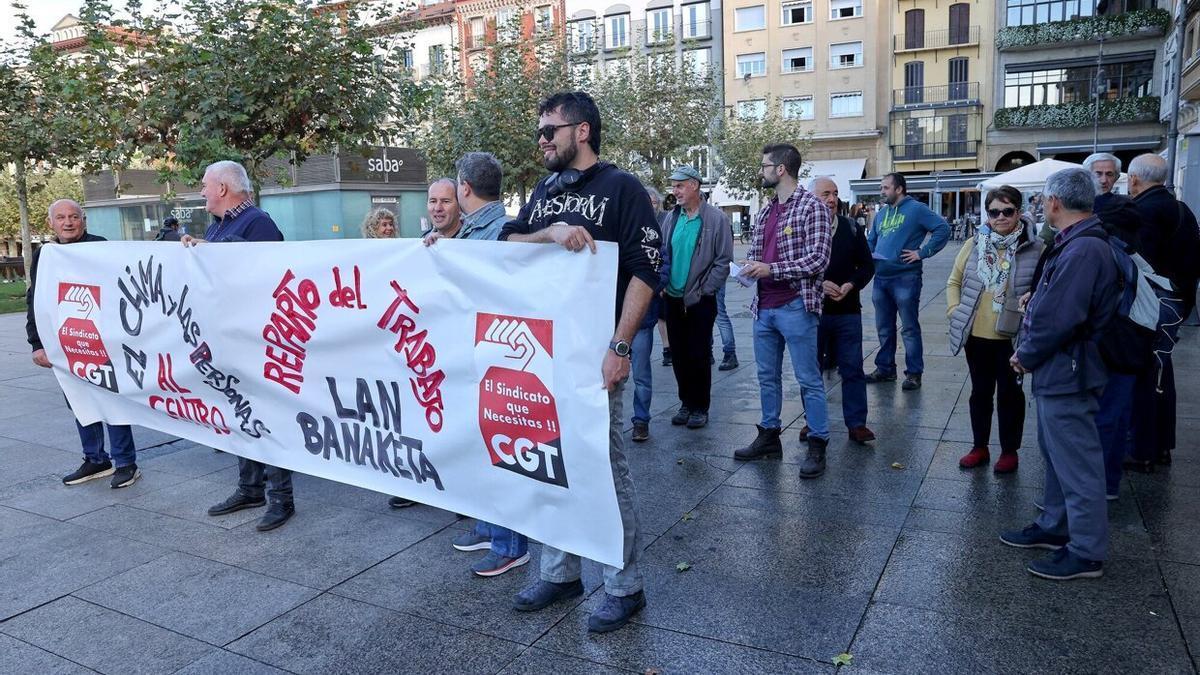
(992, 270)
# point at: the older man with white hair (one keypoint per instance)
(1170, 241)
(69, 223)
(1074, 298)
(229, 197)
(1106, 169)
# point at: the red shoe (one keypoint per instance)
(976, 457)
(1007, 463)
(804, 434)
(862, 435)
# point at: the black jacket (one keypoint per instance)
(1169, 240)
(31, 332)
(849, 260)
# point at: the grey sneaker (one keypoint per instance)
(469, 541)
(493, 564)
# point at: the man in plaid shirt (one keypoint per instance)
(789, 251)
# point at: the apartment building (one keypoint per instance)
(482, 22)
(827, 63)
(1187, 156)
(941, 65)
(1076, 76)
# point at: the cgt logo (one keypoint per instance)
(517, 414)
(87, 358)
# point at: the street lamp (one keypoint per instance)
(1100, 81)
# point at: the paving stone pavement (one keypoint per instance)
(891, 556)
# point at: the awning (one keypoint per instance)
(842, 171)
(1107, 145)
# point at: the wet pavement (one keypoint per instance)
(891, 557)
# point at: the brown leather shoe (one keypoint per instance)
(804, 434)
(862, 435)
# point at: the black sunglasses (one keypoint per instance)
(547, 132)
(1007, 212)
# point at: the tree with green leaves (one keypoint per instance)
(54, 112)
(42, 188)
(257, 80)
(740, 141)
(492, 107)
(656, 108)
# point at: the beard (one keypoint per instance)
(562, 158)
(768, 183)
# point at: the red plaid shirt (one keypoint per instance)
(805, 235)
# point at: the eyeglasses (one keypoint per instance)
(547, 132)
(1007, 212)
(769, 166)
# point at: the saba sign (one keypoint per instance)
(377, 164)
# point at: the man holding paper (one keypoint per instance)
(789, 251)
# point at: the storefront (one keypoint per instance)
(326, 197)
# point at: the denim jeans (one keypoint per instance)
(505, 542)
(561, 567)
(120, 439)
(794, 327)
(640, 354)
(844, 333)
(728, 345)
(891, 295)
(1113, 424)
(252, 481)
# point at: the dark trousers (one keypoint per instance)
(1154, 402)
(689, 330)
(1112, 423)
(993, 377)
(840, 339)
(253, 477)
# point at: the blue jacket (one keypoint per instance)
(485, 223)
(252, 224)
(1075, 299)
(901, 227)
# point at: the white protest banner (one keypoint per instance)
(465, 375)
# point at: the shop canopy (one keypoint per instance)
(1032, 177)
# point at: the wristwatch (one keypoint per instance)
(620, 348)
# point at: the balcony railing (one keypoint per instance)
(936, 39)
(910, 152)
(700, 30)
(1142, 23)
(659, 36)
(955, 93)
(1079, 114)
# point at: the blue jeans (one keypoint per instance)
(562, 567)
(725, 325)
(891, 295)
(120, 438)
(794, 327)
(844, 333)
(505, 542)
(1113, 424)
(640, 352)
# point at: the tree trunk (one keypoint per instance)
(23, 207)
(521, 194)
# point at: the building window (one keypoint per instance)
(618, 31)
(699, 159)
(697, 62)
(478, 33)
(849, 104)
(914, 29)
(753, 110)
(542, 19)
(914, 82)
(582, 73)
(845, 9)
(798, 108)
(1051, 86)
(797, 12)
(846, 55)
(798, 60)
(960, 23)
(508, 26)
(959, 75)
(583, 36)
(406, 58)
(752, 65)
(617, 67)
(437, 59)
(750, 18)
(658, 26)
(1032, 12)
(695, 20)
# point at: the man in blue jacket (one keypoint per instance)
(896, 238)
(1073, 302)
(229, 197)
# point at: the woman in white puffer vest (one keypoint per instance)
(991, 273)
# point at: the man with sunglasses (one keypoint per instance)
(584, 200)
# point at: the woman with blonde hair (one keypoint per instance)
(380, 223)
